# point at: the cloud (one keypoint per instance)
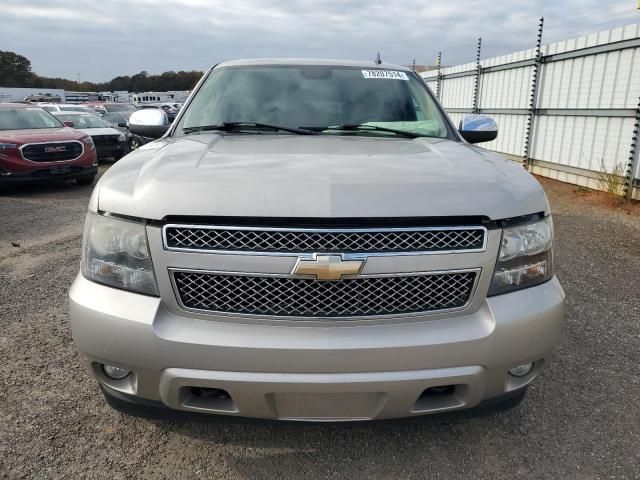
(100, 40)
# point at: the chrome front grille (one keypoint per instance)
(299, 297)
(52, 151)
(301, 240)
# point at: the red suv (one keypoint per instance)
(35, 146)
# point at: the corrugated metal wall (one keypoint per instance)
(588, 90)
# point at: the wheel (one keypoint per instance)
(86, 180)
(134, 142)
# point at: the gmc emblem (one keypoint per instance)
(61, 148)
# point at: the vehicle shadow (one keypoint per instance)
(404, 448)
(54, 187)
(51, 187)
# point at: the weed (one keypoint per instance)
(612, 181)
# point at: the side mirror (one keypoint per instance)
(151, 122)
(122, 125)
(478, 129)
(68, 123)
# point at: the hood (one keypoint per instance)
(20, 137)
(316, 176)
(94, 132)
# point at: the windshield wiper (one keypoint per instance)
(235, 126)
(363, 127)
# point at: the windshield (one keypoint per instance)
(83, 120)
(26, 118)
(117, 117)
(317, 97)
(120, 108)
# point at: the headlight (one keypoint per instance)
(88, 141)
(526, 257)
(115, 252)
(122, 137)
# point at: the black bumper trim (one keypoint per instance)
(155, 409)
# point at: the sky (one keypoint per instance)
(99, 40)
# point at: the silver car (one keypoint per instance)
(315, 240)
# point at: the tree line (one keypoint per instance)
(15, 71)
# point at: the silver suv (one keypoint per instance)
(314, 240)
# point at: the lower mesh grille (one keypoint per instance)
(299, 297)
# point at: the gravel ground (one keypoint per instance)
(580, 419)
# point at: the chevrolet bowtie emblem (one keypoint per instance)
(327, 267)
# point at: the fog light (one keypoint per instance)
(116, 373)
(522, 370)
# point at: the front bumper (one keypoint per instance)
(114, 150)
(314, 372)
(45, 174)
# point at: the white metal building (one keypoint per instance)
(566, 109)
(10, 94)
(154, 97)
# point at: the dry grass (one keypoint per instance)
(561, 193)
(612, 181)
(580, 190)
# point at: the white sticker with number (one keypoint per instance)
(386, 74)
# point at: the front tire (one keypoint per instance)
(134, 143)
